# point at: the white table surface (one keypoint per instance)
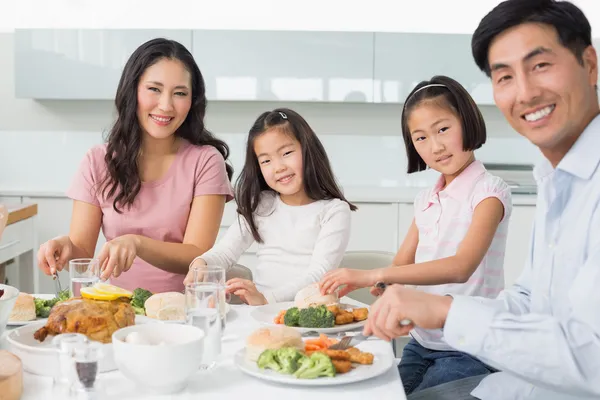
(226, 381)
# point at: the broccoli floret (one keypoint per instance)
(317, 365)
(287, 358)
(44, 312)
(138, 299)
(39, 305)
(63, 295)
(316, 317)
(268, 359)
(291, 317)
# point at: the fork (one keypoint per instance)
(345, 342)
(56, 279)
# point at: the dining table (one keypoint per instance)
(227, 381)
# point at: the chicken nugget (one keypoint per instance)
(344, 317)
(360, 314)
(342, 366)
(335, 309)
(362, 358)
(341, 355)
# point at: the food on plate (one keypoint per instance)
(357, 356)
(166, 306)
(311, 296)
(43, 307)
(105, 291)
(313, 361)
(290, 361)
(360, 314)
(342, 366)
(1, 293)
(139, 299)
(320, 316)
(24, 308)
(97, 319)
(272, 338)
(344, 317)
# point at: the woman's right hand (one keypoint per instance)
(197, 263)
(54, 255)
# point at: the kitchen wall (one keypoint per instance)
(43, 141)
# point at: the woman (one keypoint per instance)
(158, 187)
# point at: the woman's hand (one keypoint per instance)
(351, 279)
(193, 274)
(54, 255)
(246, 290)
(117, 256)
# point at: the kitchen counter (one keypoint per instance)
(20, 212)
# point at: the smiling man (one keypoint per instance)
(543, 333)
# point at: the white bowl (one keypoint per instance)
(7, 302)
(41, 358)
(166, 368)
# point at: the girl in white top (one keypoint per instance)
(290, 204)
(457, 240)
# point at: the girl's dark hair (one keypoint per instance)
(125, 137)
(573, 28)
(450, 94)
(318, 178)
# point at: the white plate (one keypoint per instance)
(381, 364)
(39, 358)
(267, 313)
(21, 323)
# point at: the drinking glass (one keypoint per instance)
(83, 272)
(202, 304)
(213, 274)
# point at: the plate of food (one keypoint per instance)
(279, 354)
(32, 308)
(311, 311)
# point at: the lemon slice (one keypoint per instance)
(170, 313)
(92, 293)
(105, 288)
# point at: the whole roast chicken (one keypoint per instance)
(94, 318)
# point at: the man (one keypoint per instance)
(542, 334)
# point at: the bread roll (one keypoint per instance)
(169, 300)
(272, 338)
(24, 308)
(311, 296)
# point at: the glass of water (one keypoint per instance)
(83, 272)
(202, 304)
(213, 274)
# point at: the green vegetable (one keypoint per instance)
(267, 359)
(291, 317)
(43, 307)
(316, 366)
(139, 298)
(287, 358)
(316, 317)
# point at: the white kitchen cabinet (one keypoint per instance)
(78, 63)
(402, 60)
(517, 243)
(286, 65)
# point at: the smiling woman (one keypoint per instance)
(158, 187)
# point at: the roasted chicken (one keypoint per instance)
(94, 318)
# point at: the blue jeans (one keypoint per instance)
(421, 368)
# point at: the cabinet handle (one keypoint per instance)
(7, 245)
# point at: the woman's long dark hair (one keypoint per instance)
(319, 181)
(125, 138)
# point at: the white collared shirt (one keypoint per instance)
(543, 333)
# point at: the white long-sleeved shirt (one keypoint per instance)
(300, 244)
(543, 333)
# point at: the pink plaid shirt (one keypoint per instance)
(443, 218)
